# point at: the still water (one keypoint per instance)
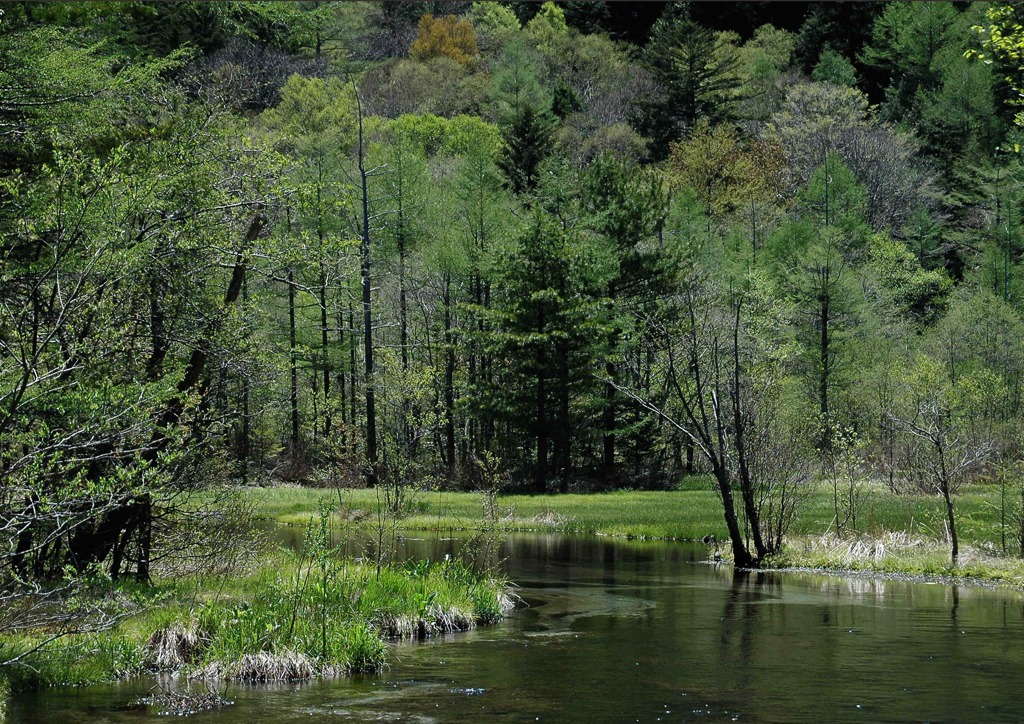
(624, 631)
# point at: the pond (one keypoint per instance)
(623, 631)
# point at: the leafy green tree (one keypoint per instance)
(834, 68)
(496, 25)
(119, 286)
(1003, 48)
(314, 125)
(628, 209)
(934, 416)
(548, 29)
(814, 252)
(723, 370)
(824, 297)
(844, 27)
(516, 83)
(763, 61)
(901, 284)
(724, 172)
(932, 86)
(908, 43)
(818, 119)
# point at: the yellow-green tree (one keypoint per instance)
(446, 36)
(1003, 46)
(725, 175)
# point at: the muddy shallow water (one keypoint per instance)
(623, 631)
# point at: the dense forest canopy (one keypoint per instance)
(588, 244)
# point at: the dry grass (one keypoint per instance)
(551, 519)
(438, 620)
(852, 552)
(180, 644)
(266, 667)
(903, 554)
(507, 602)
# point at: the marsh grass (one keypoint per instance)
(301, 615)
(693, 512)
(306, 618)
(899, 553)
(690, 513)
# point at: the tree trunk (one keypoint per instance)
(540, 483)
(608, 424)
(944, 484)
(739, 433)
(824, 351)
(563, 439)
(325, 351)
(449, 379)
(293, 395)
(352, 373)
(371, 406)
(608, 421)
(740, 555)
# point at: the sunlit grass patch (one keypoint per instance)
(898, 552)
(694, 512)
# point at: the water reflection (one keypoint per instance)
(638, 630)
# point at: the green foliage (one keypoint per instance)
(834, 68)
(516, 83)
(457, 137)
(1003, 45)
(314, 117)
(721, 170)
(811, 120)
(763, 61)
(844, 29)
(909, 41)
(495, 24)
(834, 197)
(506, 321)
(527, 142)
(696, 74)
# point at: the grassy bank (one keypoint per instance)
(687, 514)
(893, 533)
(297, 616)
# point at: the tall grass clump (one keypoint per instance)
(311, 613)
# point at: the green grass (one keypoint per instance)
(694, 511)
(688, 514)
(299, 615)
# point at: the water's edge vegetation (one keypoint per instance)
(288, 615)
(884, 532)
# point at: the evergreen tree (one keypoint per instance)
(529, 139)
(696, 74)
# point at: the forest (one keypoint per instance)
(539, 248)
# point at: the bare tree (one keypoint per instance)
(947, 451)
(723, 395)
(819, 118)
